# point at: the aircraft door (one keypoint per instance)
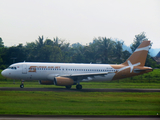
(63, 70)
(24, 69)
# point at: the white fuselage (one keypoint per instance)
(48, 71)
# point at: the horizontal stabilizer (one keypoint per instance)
(143, 69)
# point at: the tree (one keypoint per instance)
(138, 40)
(39, 42)
(106, 49)
(66, 52)
(78, 54)
(56, 54)
(119, 52)
(48, 42)
(125, 55)
(101, 50)
(1, 43)
(31, 51)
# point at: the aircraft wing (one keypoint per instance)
(79, 76)
(84, 75)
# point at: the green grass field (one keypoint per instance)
(78, 103)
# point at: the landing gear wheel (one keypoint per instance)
(68, 87)
(79, 87)
(22, 86)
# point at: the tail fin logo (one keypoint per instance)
(144, 48)
(130, 65)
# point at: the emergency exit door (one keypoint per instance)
(24, 69)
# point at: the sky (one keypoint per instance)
(22, 21)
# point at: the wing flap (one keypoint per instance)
(86, 74)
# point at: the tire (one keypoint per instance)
(68, 87)
(21, 86)
(78, 87)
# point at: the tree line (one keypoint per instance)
(102, 50)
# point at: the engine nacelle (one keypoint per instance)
(63, 81)
(46, 82)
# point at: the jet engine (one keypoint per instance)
(63, 81)
(46, 82)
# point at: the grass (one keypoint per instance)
(77, 103)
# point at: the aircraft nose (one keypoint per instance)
(4, 73)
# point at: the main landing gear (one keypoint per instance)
(68, 87)
(22, 85)
(79, 87)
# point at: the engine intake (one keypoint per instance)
(63, 81)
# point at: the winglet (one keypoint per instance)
(139, 55)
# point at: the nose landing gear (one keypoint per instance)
(22, 85)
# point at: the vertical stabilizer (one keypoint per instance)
(139, 56)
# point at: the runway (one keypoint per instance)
(75, 90)
(63, 117)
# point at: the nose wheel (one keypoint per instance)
(22, 85)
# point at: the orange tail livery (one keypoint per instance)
(134, 65)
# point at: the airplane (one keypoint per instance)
(68, 74)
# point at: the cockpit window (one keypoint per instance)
(12, 68)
